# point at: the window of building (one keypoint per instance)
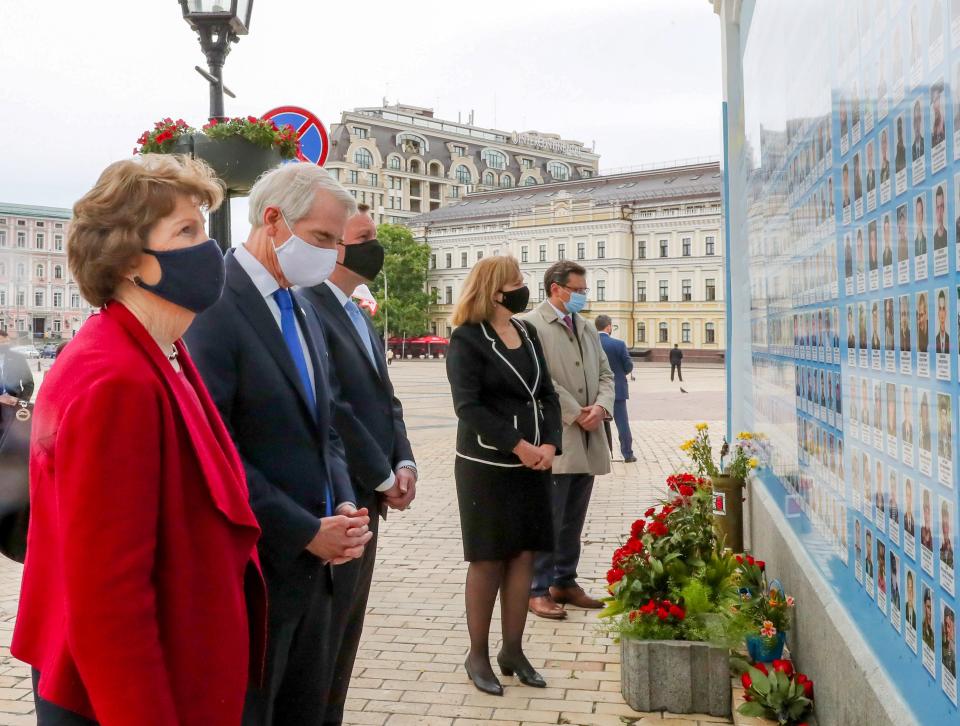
(433, 262)
(395, 182)
(448, 295)
(56, 326)
(21, 271)
(558, 170)
(540, 291)
(530, 181)
(40, 224)
(57, 243)
(21, 325)
(523, 254)
(22, 240)
(463, 174)
(354, 176)
(479, 255)
(463, 259)
(543, 253)
(586, 174)
(489, 179)
(3, 238)
(3, 297)
(372, 180)
(363, 158)
(494, 159)
(434, 295)
(685, 333)
(449, 260)
(506, 181)
(561, 251)
(710, 247)
(710, 334)
(641, 291)
(40, 271)
(711, 289)
(75, 300)
(459, 150)
(686, 246)
(664, 337)
(21, 298)
(601, 290)
(3, 269)
(686, 290)
(601, 249)
(664, 247)
(395, 163)
(581, 250)
(360, 133)
(526, 163)
(641, 250)
(335, 173)
(664, 291)
(455, 192)
(58, 272)
(641, 333)
(58, 299)
(38, 298)
(21, 223)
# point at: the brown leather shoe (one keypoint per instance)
(545, 607)
(574, 596)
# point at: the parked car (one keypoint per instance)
(49, 351)
(27, 351)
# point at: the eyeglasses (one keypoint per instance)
(581, 290)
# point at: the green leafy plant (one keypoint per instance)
(763, 611)
(161, 138)
(701, 452)
(661, 620)
(778, 693)
(259, 131)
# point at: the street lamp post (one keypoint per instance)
(218, 23)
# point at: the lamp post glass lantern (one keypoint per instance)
(218, 23)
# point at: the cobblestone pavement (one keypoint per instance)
(409, 669)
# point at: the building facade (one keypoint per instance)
(38, 296)
(404, 162)
(649, 239)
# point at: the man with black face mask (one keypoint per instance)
(16, 380)
(370, 422)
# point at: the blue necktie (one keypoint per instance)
(288, 325)
(356, 317)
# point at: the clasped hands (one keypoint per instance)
(343, 536)
(591, 417)
(539, 458)
(403, 491)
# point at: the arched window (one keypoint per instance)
(58, 272)
(685, 333)
(363, 158)
(436, 168)
(641, 333)
(463, 174)
(415, 166)
(530, 181)
(506, 181)
(395, 162)
(494, 159)
(558, 170)
(39, 270)
(711, 333)
(664, 333)
(489, 179)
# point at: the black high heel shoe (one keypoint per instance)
(483, 683)
(522, 668)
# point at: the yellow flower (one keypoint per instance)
(701, 427)
(754, 462)
(686, 446)
(745, 435)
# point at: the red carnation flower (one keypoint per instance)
(252, 119)
(746, 681)
(686, 491)
(739, 560)
(614, 575)
(807, 685)
(762, 668)
(677, 612)
(637, 529)
(662, 614)
(649, 512)
(750, 560)
(761, 564)
(648, 608)
(783, 666)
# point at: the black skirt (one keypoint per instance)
(503, 511)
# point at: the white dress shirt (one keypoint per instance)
(343, 299)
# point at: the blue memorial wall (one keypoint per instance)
(848, 242)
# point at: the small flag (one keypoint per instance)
(365, 299)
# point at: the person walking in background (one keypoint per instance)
(142, 600)
(620, 363)
(584, 382)
(379, 456)
(269, 376)
(16, 380)
(676, 358)
(509, 430)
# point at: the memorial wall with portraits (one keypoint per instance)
(851, 163)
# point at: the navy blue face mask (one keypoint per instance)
(191, 277)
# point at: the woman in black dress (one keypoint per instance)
(508, 434)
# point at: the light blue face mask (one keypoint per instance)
(576, 303)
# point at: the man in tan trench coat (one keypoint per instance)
(584, 382)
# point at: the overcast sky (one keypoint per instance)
(82, 78)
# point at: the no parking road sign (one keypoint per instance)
(314, 142)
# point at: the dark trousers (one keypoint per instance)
(351, 588)
(623, 428)
(49, 714)
(676, 367)
(569, 499)
(297, 679)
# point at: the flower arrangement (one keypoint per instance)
(261, 132)
(655, 621)
(161, 138)
(746, 450)
(764, 612)
(778, 693)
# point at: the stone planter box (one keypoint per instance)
(236, 161)
(675, 676)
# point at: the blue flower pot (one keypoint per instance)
(760, 650)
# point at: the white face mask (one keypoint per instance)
(302, 263)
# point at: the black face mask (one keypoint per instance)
(516, 300)
(191, 277)
(364, 258)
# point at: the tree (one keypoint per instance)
(405, 265)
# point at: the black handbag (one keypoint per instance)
(15, 424)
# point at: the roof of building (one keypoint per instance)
(31, 210)
(652, 186)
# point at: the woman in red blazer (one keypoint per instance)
(142, 601)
